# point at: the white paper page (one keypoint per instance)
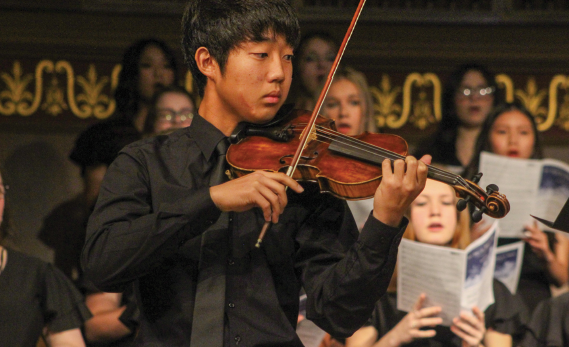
(509, 260)
(360, 210)
(518, 179)
(434, 270)
(480, 260)
(553, 190)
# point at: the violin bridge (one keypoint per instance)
(311, 137)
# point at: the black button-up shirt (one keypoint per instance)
(153, 206)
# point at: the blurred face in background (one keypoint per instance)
(154, 71)
(315, 61)
(173, 111)
(434, 215)
(473, 99)
(345, 105)
(512, 135)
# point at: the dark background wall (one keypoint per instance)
(526, 41)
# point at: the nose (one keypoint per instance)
(435, 209)
(277, 70)
(512, 138)
(343, 110)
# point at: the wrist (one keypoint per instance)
(391, 219)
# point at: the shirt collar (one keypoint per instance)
(205, 134)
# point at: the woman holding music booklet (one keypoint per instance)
(435, 220)
(510, 130)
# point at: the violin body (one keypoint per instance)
(348, 167)
(335, 173)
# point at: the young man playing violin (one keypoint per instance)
(187, 241)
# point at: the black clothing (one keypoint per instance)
(154, 206)
(64, 231)
(506, 315)
(441, 146)
(549, 325)
(534, 284)
(34, 295)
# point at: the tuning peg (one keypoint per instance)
(462, 203)
(477, 177)
(477, 215)
(491, 188)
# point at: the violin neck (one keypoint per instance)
(376, 155)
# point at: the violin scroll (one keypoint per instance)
(490, 202)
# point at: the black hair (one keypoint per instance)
(221, 25)
(450, 119)
(127, 96)
(298, 90)
(152, 112)
(483, 141)
(100, 144)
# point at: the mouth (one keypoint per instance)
(513, 153)
(343, 128)
(273, 97)
(474, 109)
(435, 227)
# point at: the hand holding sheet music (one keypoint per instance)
(453, 279)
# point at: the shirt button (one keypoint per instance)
(237, 339)
(232, 305)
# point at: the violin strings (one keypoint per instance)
(375, 150)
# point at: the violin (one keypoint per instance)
(308, 147)
(348, 167)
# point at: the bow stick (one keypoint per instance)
(304, 139)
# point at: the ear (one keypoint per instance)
(206, 63)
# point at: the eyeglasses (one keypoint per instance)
(480, 92)
(3, 190)
(169, 115)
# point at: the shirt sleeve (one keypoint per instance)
(345, 274)
(64, 307)
(131, 232)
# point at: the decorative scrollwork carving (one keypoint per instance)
(421, 117)
(385, 107)
(17, 99)
(558, 82)
(91, 102)
(505, 82)
(532, 98)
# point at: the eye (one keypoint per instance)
(261, 55)
(289, 57)
(331, 104)
(355, 102)
(420, 203)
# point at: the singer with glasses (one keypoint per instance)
(171, 108)
(467, 100)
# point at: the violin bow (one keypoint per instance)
(309, 130)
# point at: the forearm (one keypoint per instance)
(391, 339)
(106, 327)
(136, 226)
(67, 338)
(342, 297)
(497, 339)
(557, 270)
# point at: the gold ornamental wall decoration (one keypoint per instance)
(420, 111)
(559, 82)
(385, 106)
(55, 88)
(532, 99)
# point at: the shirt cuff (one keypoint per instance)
(375, 234)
